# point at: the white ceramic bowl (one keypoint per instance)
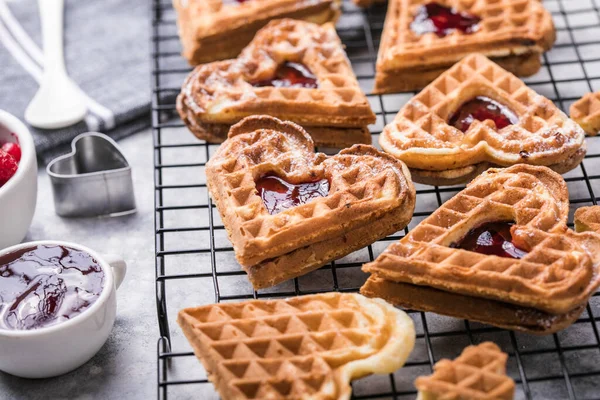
(18, 196)
(60, 348)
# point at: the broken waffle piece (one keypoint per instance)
(289, 210)
(422, 38)
(479, 373)
(212, 30)
(586, 112)
(504, 240)
(587, 219)
(293, 70)
(302, 347)
(477, 115)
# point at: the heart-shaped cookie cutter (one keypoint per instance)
(94, 179)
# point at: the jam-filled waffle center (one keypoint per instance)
(279, 195)
(290, 75)
(441, 20)
(482, 108)
(492, 238)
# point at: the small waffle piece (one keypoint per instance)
(555, 276)
(586, 112)
(336, 113)
(587, 219)
(213, 30)
(438, 153)
(367, 3)
(370, 196)
(298, 348)
(513, 32)
(479, 373)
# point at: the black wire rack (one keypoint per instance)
(195, 264)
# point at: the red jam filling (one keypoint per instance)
(10, 155)
(493, 238)
(279, 195)
(45, 285)
(482, 108)
(442, 20)
(290, 75)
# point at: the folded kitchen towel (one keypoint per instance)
(106, 54)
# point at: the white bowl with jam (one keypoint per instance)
(18, 194)
(57, 306)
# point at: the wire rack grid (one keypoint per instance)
(195, 264)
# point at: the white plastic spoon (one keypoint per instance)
(58, 102)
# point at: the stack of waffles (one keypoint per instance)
(322, 93)
(353, 199)
(479, 373)
(535, 278)
(439, 152)
(417, 45)
(213, 30)
(300, 348)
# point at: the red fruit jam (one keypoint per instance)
(13, 149)
(442, 20)
(493, 238)
(279, 195)
(45, 285)
(290, 75)
(481, 108)
(8, 167)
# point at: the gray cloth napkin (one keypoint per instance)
(106, 53)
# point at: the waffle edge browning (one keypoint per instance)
(211, 30)
(440, 154)
(540, 293)
(303, 347)
(217, 95)
(371, 196)
(512, 32)
(586, 112)
(479, 373)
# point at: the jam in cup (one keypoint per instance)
(57, 306)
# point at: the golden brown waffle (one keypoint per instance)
(371, 196)
(587, 219)
(503, 315)
(513, 32)
(556, 276)
(586, 112)
(438, 153)
(479, 373)
(217, 95)
(299, 348)
(213, 30)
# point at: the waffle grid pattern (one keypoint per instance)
(420, 135)
(501, 21)
(478, 373)
(561, 366)
(221, 93)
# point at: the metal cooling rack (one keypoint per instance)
(195, 264)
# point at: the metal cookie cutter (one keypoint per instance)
(93, 180)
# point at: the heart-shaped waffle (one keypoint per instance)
(213, 30)
(336, 113)
(479, 373)
(586, 112)
(307, 347)
(439, 153)
(513, 32)
(555, 273)
(370, 196)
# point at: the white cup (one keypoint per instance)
(60, 348)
